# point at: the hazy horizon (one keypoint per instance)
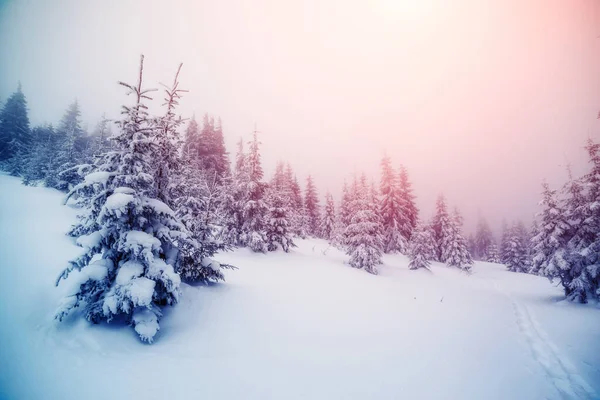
(480, 101)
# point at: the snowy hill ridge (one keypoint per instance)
(296, 326)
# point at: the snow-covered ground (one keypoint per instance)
(290, 326)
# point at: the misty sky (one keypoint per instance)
(480, 99)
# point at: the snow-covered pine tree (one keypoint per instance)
(504, 242)
(100, 141)
(65, 171)
(131, 239)
(255, 210)
(421, 248)
(40, 154)
(516, 249)
(165, 142)
(583, 253)
(297, 220)
(363, 239)
(311, 204)
(492, 254)
(394, 218)
(483, 239)
(454, 245)
(408, 205)
(442, 229)
(235, 198)
(550, 243)
(14, 127)
(210, 148)
(277, 227)
(197, 200)
(328, 223)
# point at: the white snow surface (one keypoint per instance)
(302, 325)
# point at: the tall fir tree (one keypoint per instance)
(394, 218)
(454, 246)
(14, 127)
(311, 204)
(278, 233)
(408, 205)
(582, 282)
(483, 240)
(550, 242)
(421, 248)
(363, 239)
(442, 229)
(254, 211)
(328, 222)
(515, 256)
(133, 242)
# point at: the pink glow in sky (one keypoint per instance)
(480, 99)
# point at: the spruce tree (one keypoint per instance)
(583, 250)
(255, 209)
(133, 242)
(483, 239)
(492, 254)
(277, 228)
(515, 256)
(328, 223)
(408, 205)
(454, 246)
(442, 229)
(311, 203)
(14, 126)
(395, 222)
(550, 242)
(363, 238)
(421, 248)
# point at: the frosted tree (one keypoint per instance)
(454, 246)
(197, 198)
(504, 242)
(515, 257)
(235, 198)
(483, 239)
(328, 223)
(492, 254)
(165, 141)
(297, 217)
(14, 128)
(277, 228)
(549, 244)
(210, 148)
(582, 282)
(363, 238)
(442, 229)
(101, 136)
(408, 205)
(395, 223)
(421, 248)
(132, 240)
(255, 209)
(311, 204)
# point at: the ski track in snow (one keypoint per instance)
(563, 375)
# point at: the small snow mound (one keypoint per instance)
(89, 241)
(97, 177)
(145, 323)
(141, 291)
(118, 201)
(124, 189)
(159, 206)
(128, 271)
(138, 242)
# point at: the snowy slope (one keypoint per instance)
(290, 326)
